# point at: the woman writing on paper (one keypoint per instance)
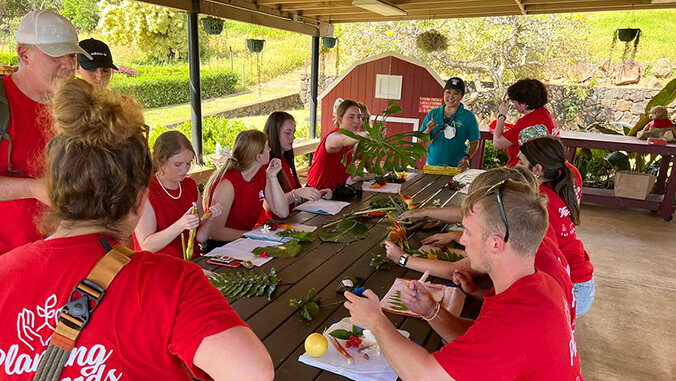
(281, 130)
(244, 186)
(168, 214)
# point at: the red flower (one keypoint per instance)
(264, 254)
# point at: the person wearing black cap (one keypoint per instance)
(98, 70)
(450, 127)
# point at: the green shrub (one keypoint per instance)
(167, 85)
(494, 158)
(216, 129)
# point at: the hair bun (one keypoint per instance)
(94, 117)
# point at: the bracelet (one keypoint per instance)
(434, 313)
(293, 194)
(501, 115)
(469, 158)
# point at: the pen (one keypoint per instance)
(421, 280)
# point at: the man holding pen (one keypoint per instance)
(523, 330)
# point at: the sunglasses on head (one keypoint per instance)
(496, 189)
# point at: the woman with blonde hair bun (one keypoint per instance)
(243, 187)
(160, 314)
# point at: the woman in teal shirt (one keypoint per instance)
(450, 127)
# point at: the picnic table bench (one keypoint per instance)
(322, 265)
(662, 197)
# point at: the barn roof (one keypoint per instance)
(317, 17)
(375, 58)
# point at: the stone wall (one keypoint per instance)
(579, 105)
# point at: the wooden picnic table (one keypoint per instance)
(662, 197)
(322, 265)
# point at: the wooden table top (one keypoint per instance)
(322, 265)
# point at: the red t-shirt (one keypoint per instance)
(327, 169)
(522, 333)
(550, 260)
(167, 211)
(536, 124)
(289, 184)
(247, 202)
(30, 129)
(151, 321)
(578, 181)
(581, 269)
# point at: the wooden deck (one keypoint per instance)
(322, 266)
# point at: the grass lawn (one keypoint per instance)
(658, 33)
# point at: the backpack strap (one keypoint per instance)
(5, 116)
(75, 315)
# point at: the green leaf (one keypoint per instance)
(619, 161)
(344, 231)
(246, 283)
(341, 334)
(287, 250)
(664, 98)
(303, 236)
(379, 153)
(308, 305)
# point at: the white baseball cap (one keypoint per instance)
(50, 32)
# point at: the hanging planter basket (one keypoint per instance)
(212, 25)
(255, 46)
(628, 34)
(329, 42)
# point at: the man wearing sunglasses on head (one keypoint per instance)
(523, 330)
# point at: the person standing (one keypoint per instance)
(46, 47)
(99, 70)
(529, 97)
(450, 127)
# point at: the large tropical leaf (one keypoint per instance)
(344, 231)
(619, 161)
(377, 153)
(287, 250)
(663, 98)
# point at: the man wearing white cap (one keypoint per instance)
(46, 47)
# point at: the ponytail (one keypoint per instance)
(549, 153)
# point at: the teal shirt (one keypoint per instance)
(444, 151)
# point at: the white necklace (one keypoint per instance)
(180, 189)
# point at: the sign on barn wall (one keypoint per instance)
(427, 104)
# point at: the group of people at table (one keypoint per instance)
(80, 163)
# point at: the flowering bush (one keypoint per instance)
(126, 71)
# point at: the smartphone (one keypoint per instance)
(225, 261)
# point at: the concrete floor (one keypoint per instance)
(630, 331)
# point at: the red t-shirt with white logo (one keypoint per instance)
(581, 269)
(550, 260)
(327, 169)
(151, 321)
(523, 333)
(535, 124)
(30, 129)
(247, 203)
(169, 210)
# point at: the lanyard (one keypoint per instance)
(447, 122)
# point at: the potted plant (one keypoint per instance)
(628, 34)
(329, 42)
(212, 25)
(255, 46)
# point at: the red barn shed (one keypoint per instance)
(375, 80)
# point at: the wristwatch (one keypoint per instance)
(402, 260)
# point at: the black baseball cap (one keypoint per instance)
(453, 83)
(100, 52)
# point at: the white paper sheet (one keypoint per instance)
(465, 178)
(387, 188)
(323, 206)
(260, 234)
(242, 248)
(376, 368)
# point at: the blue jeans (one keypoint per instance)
(584, 296)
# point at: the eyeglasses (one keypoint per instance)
(145, 130)
(496, 189)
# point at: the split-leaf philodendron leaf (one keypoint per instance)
(379, 154)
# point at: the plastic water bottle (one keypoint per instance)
(218, 148)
